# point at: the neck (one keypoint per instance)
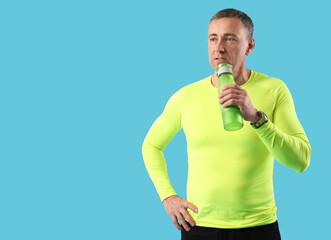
(240, 76)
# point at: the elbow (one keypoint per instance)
(303, 167)
(306, 161)
(145, 146)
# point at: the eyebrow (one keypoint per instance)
(225, 35)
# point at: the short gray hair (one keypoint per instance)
(234, 13)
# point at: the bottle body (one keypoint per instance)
(231, 115)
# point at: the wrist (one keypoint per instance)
(168, 198)
(256, 117)
(263, 119)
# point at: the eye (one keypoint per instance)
(230, 39)
(212, 39)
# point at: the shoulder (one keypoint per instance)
(263, 79)
(273, 85)
(188, 89)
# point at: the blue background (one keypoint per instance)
(83, 81)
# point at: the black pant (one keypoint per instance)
(264, 232)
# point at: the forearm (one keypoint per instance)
(157, 169)
(292, 151)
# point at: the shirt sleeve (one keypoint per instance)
(163, 130)
(284, 137)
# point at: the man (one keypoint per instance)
(230, 184)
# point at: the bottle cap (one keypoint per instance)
(224, 68)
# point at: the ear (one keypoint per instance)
(251, 45)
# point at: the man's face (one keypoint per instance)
(228, 42)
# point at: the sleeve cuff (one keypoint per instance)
(166, 195)
(265, 127)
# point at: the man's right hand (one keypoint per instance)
(176, 207)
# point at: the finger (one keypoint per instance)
(229, 97)
(232, 94)
(228, 91)
(175, 222)
(183, 222)
(192, 207)
(188, 217)
(230, 102)
(229, 86)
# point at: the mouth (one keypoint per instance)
(220, 60)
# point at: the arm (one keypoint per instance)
(165, 127)
(284, 137)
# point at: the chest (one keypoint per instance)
(203, 125)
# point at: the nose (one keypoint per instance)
(219, 46)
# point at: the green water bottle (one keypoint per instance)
(232, 117)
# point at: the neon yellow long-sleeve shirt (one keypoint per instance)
(230, 174)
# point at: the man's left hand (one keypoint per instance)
(235, 95)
